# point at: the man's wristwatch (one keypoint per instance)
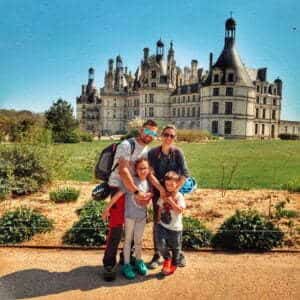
(136, 192)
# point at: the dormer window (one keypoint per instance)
(153, 84)
(230, 77)
(216, 78)
(153, 74)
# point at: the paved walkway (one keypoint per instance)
(67, 274)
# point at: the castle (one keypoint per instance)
(229, 99)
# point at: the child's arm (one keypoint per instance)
(178, 209)
(109, 205)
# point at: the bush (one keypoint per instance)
(192, 135)
(292, 186)
(84, 136)
(22, 224)
(4, 189)
(281, 212)
(247, 230)
(23, 169)
(132, 133)
(195, 235)
(65, 194)
(288, 136)
(90, 230)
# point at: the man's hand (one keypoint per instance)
(143, 198)
(105, 214)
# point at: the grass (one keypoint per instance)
(251, 164)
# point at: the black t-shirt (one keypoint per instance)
(163, 163)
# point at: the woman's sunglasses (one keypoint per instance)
(166, 135)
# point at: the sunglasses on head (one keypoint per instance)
(150, 132)
(166, 135)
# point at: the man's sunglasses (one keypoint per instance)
(166, 135)
(150, 132)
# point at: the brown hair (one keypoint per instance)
(169, 126)
(139, 160)
(171, 175)
(150, 123)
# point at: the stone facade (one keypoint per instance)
(228, 99)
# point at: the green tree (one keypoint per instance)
(61, 121)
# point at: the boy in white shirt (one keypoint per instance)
(169, 226)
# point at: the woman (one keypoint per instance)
(163, 159)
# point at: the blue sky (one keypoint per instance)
(46, 47)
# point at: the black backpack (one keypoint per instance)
(104, 166)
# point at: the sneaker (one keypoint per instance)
(141, 267)
(109, 273)
(172, 269)
(132, 259)
(166, 269)
(128, 272)
(154, 263)
(182, 261)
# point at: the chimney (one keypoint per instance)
(210, 61)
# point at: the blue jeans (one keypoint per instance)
(168, 240)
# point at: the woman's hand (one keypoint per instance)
(143, 198)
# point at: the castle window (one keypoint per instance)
(257, 113)
(228, 108)
(153, 74)
(188, 111)
(193, 111)
(153, 84)
(194, 98)
(183, 112)
(151, 98)
(257, 88)
(151, 112)
(214, 127)
(174, 112)
(216, 78)
(264, 114)
(229, 91)
(216, 92)
(178, 100)
(183, 99)
(273, 114)
(199, 98)
(265, 100)
(188, 99)
(265, 89)
(263, 129)
(198, 112)
(230, 77)
(174, 100)
(257, 100)
(227, 127)
(146, 98)
(274, 101)
(256, 128)
(178, 112)
(215, 109)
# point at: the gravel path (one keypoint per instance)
(66, 274)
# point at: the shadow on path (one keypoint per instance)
(37, 282)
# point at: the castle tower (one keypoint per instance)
(159, 50)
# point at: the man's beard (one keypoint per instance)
(146, 141)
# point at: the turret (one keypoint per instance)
(146, 54)
(159, 50)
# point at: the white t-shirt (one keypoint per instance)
(124, 151)
(168, 218)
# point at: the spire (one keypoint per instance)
(171, 51)
(159, 49)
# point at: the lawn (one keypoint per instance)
(229, 163)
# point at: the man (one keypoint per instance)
(121, 179)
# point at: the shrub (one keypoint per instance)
(192, 135)
(22, 224)
(281, 212)
(65, 194)
(195, 235)
(288, 136)
(247, 230)
(23, 169)
(84, 136)
(4, 189)
(292, 186)
(90, 230)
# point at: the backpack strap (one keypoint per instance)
(132, 146)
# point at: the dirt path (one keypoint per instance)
(57, 274)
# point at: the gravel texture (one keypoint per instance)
(74, 274)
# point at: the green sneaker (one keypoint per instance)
(128, 272)
(141, 267)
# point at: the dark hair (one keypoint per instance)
(171, 175)
(150, 123)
